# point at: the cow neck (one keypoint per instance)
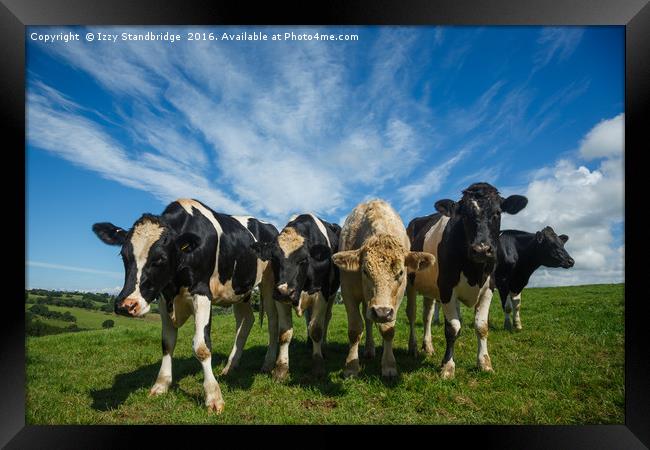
(527, 262)
(529, 259)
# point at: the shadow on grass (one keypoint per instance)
(242, 377)
(144, 377)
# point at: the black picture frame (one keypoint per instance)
(15, 15)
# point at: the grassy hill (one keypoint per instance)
(564, 367)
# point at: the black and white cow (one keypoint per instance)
(463, 236)
(190, 257)
(305, 278)
(519, 254)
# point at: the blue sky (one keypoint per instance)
(408, 114)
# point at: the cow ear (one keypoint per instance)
(109, 233)
(262, 250)
(513, 204)
(445, 207)
(348, 260)
(187, 242)
(416, 261)
(563, 238)
(539, 236)
(320, 252)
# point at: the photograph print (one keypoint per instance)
(325, 225)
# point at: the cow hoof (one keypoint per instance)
(412, 350)
(369, 353)
(507, 325)
(485, 364)
(448, 370)
(518, 326)
(267, 367)
(158, 389)
(351, 369)
(436, 322)
(215, 405)
(226, 370)
(389, 373)
(280, 372)
(427, 348)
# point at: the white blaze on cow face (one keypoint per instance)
(289, 241)
(144, 236)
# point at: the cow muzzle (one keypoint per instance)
(381, 314)
(131, 307)
(283, 293)
(568, 263)
(481, 252)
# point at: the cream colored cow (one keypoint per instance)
(374, 257)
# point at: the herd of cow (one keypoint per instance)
(191, 257)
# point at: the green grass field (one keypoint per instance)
(564, 367)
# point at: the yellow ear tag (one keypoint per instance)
(184, 247)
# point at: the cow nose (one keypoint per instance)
(571, 262)
(284, 289)
(482, 249)
(128, 307)
(381, 314)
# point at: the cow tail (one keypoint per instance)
(261, 309)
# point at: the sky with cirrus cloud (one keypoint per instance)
(408, 114)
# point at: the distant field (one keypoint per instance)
(564, 367)
(93, 320)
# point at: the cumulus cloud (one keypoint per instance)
(607, 139)
(586, 204)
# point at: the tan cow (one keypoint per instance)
(374, 257)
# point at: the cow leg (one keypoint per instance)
(411, 312)
(202, 346)
(427, 345)
(436, 313)
(388, 363)
(244, 320)
(285, 322)
(369, 348)
(516, 306)
(270, 307)
(507, 309)
(452, 329)
(481, 328)
(308, 314)
(328, 317)
(355, 330)
(169, 334)
(316, 331)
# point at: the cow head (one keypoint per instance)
(382, 263)
(551, 249)
(151, 252)
(293, 260)
(480, 210)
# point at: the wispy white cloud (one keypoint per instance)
(283, 140)
(73, 268)
(85, 144)
(556, 43)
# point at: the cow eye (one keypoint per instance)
(399, 275)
